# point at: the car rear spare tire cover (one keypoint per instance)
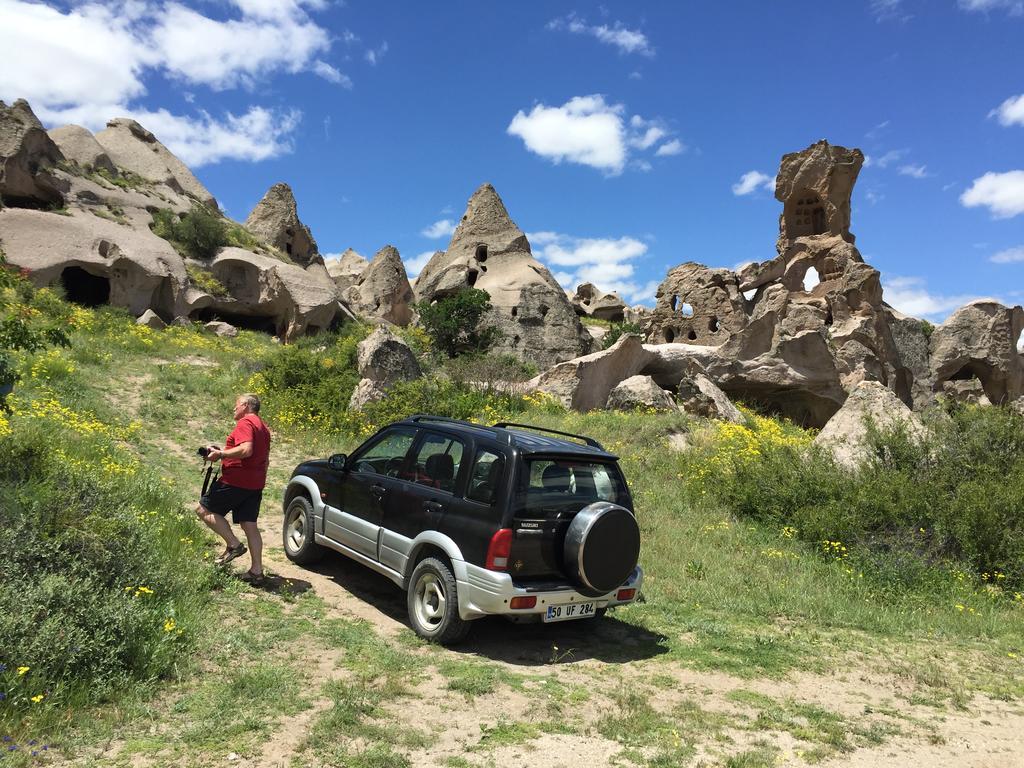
(602, 546)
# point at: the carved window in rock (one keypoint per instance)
(811, 278)
(481, 253)
(84, 288)
(669, 334)
(805, 215)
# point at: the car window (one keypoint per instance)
(485, 478)
(554, 485)
(437, 462)
(387, 455)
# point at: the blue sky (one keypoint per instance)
(624, 138)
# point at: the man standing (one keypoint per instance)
(244, 461)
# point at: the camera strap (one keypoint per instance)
(206, 480)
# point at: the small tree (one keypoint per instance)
(453, 323)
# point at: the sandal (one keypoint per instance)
(231, 553)
(254, 579)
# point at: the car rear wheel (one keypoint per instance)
(433, 603)
(299, 541)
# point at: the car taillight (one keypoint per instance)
(523, 602)
(498, 550)
(625, 594)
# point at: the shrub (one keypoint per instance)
(454, 322)
(616, 331)
(489, 370)
(200, 233)
(205, 280)
(954, 498)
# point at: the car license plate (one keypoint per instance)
(569, 611)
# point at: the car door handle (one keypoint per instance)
(433, 506)
(378, 491)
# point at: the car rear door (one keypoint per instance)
(366, 488)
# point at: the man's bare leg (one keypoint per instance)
(255, 542)
(219, 525)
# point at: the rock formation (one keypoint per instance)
(27, 157)
(383, 360)
(383, 291)
(640, 392)
(589, 300)
(79, 146)
(133, 148)
(845, 434)
(488, 251)
(345, 271)
(275, 220)
(700, 396)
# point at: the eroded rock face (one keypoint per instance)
(132, 147)
(911, 337)
(979, 341)
(700, 396)
(697, 305)
(591, 301)
(488, 251)
(78, 145)
(640, 392)
(383, 291)
(845, 435)
(346, 270)
(275, 220)
(27, 156)
(383, 360)
(151, 319)
(815, 186)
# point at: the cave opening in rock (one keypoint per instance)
(84, 288)
(669, 335)
(811, 279)
(471, 277)
(714, 325)
(515, 311)
(481, 253)
(692, 335)
(805, 215)
(686, 310)
(1020, 343)
(261, 323)
(672, 304)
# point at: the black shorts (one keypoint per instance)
(243, 503)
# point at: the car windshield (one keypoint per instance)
(552, 486)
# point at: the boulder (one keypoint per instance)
(979, 341)
(27, 157)
(585, 383)
(133, 148)
(222, 329)
(383, 291)
(911, 338)
(488, 251)
(640, 392)
(151, 319)
(78, 145)
(700, 396)
(383, 360)
(593, 302)
(845, 434)
(275, 220)
(346, 270)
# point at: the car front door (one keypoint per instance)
(365, 489)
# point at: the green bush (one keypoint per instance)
(204, 280)
(200, 233)
(489, 370)
(454, 322)
(954, 498)
(616, 331)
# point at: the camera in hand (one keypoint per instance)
(204, 451)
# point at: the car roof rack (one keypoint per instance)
(588, 440)
(419, 418)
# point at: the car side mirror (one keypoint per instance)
(337, 461)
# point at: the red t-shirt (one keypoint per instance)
(251, 472)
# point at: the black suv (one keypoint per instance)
(474, 520)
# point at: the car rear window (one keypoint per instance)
(557, 485)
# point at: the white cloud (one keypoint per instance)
(889, 10)
(1010, 112)
(1001, 193)
(442, 228)
(605, 262)
(88, 64)
(669, 148)
(618, 35)
(588, 131)
(331, 74)
(416, 264)
(1008, 256)
(910, 295)
(914, 171)
(751, 181)
(1012, 7)
(376, 54)
(890, 157)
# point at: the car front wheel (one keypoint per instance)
(433, 603)
(299, 541)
